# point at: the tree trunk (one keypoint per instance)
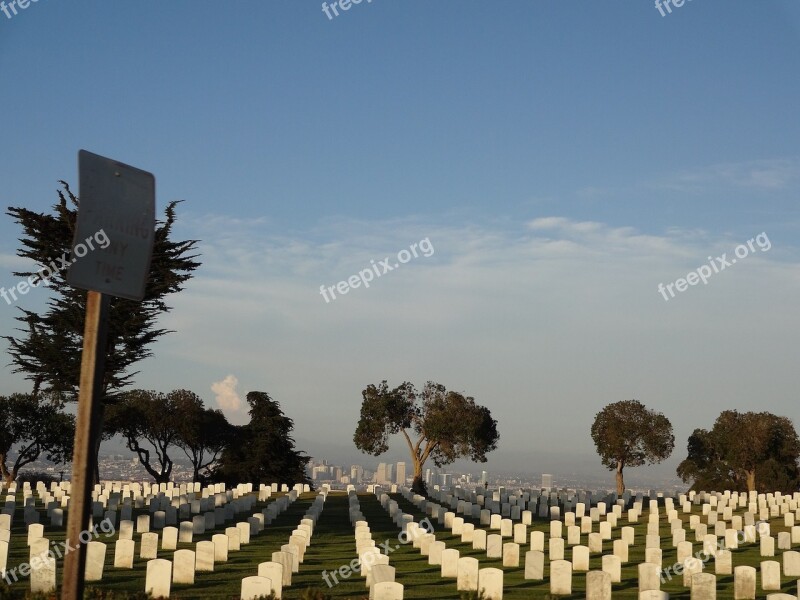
(418, 486)
(620, 479)
(751, 480)
(98, 428)
(3, 470)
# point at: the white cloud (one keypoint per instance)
(226, 395)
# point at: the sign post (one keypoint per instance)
(117, 211)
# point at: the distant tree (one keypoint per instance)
(263, 451)
(36, 426)
(149, 423)
(203, 434)
(627, 434)
(446, 425)
(48, 348)
(744, 451)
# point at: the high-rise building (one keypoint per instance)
(380, 474)
(446, 479)
(547, 481)
(356, 474)
(389, 471)
(400, 477)
(484, 477)
(428, 476)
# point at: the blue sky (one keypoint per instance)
(562, 157)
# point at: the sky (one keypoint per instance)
(556, 160)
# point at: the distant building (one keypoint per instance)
(428, 476)
(400, 476)
(484, 477)
(381, 476)
(547, 481)
(447, 479)
(356, 474)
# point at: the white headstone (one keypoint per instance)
(770, 575)
(744, 583)
(169, 538)
(467, 579)
(204, 557)
(183, 567)
(534, 565)
(43, 574)
(123, 553)
(274, 572)
(598, 585)
(490, 583)
(95, 561)
(159, 578)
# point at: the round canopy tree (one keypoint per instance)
(627, 434)
(744, 451)
(445, 425)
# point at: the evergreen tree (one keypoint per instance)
(48, 347)
(263, 450)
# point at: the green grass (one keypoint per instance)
(333, 546)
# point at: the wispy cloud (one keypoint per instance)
(550, 313)
(763, 175)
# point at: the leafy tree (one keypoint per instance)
(48, 348)
(203, 434)
(627, 434)
(149, 422)
(446, 425)
(744, 451)
(36, 426)
(264, 450)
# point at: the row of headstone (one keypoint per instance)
(276, 574)
(466, 571)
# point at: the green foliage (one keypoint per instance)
(473, 595)
(48, 350)
(447, 425)
(627, 434)
(744, 451)
(94, 593)
(154, 424)
(33, 477)
(148, 421)
(202, 433)
(35, 427)
(264, 451)
(314, 594)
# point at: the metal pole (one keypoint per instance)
(86, 431)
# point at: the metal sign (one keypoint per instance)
(113, 240)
